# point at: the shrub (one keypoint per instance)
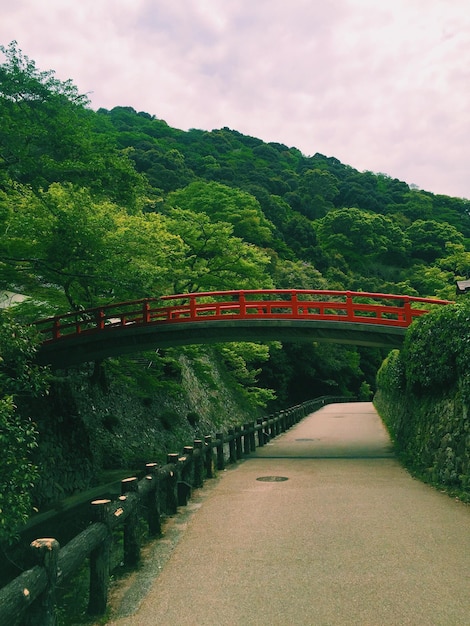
(437, 350)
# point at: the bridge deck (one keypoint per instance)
(362, 318)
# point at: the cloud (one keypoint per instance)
(381, 86)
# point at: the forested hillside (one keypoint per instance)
(104, 206)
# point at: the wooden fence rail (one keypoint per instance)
(31, 597)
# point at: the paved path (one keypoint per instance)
(348, 539)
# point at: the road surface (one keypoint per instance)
(335, 533)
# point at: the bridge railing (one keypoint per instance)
(296, 304)
(156, 496)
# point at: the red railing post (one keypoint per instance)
(407, 311)
(295, 304)
(192, 307)
(349, 306)
(56, 328)
(242, 303)
(100, 319)
(146, 312)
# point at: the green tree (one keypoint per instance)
(296, 275)
(317, 188)
(301, 236)
(429, 239)
(91, 249)
(225, 204)
(431, 281)
(457, 261)
(241, 359)
(362, 237)
(214, 257)
(49, 135)
(418, 206)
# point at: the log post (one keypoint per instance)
(198, 476)
(238, 442)
(185, 481)
(188, 468)
(220, 451)
(100, 562)
(252, 437)
(131, 524)
(246, 438)
(272, 427)
(209, 457)
(172, 484)
(232, 456)
(261, 435)
(153, 501)
(46, 554)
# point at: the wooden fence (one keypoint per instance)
(31, 597)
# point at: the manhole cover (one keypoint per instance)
(272, 479)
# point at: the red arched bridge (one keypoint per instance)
(295, 315)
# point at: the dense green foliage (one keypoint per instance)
(20, 380)
(424, 395)
(437, 351)
(104, 206)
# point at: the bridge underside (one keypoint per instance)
(129, 339)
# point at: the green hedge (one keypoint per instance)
(423, 395)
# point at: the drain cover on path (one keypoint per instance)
(272, 479)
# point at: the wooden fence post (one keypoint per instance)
(46, 554)
(131, 523)
(209, 457)
(172, 484)
(198, 476)
(100, 562)
(220, 451)
(188, 467)
(238, 442)
(252, 437)
(246, 439)
(153, 501)
(185, 481)
(232, 457)
(272, 427)
(261, 435)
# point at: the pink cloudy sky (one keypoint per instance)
(382, 85)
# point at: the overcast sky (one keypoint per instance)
(382, 85)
